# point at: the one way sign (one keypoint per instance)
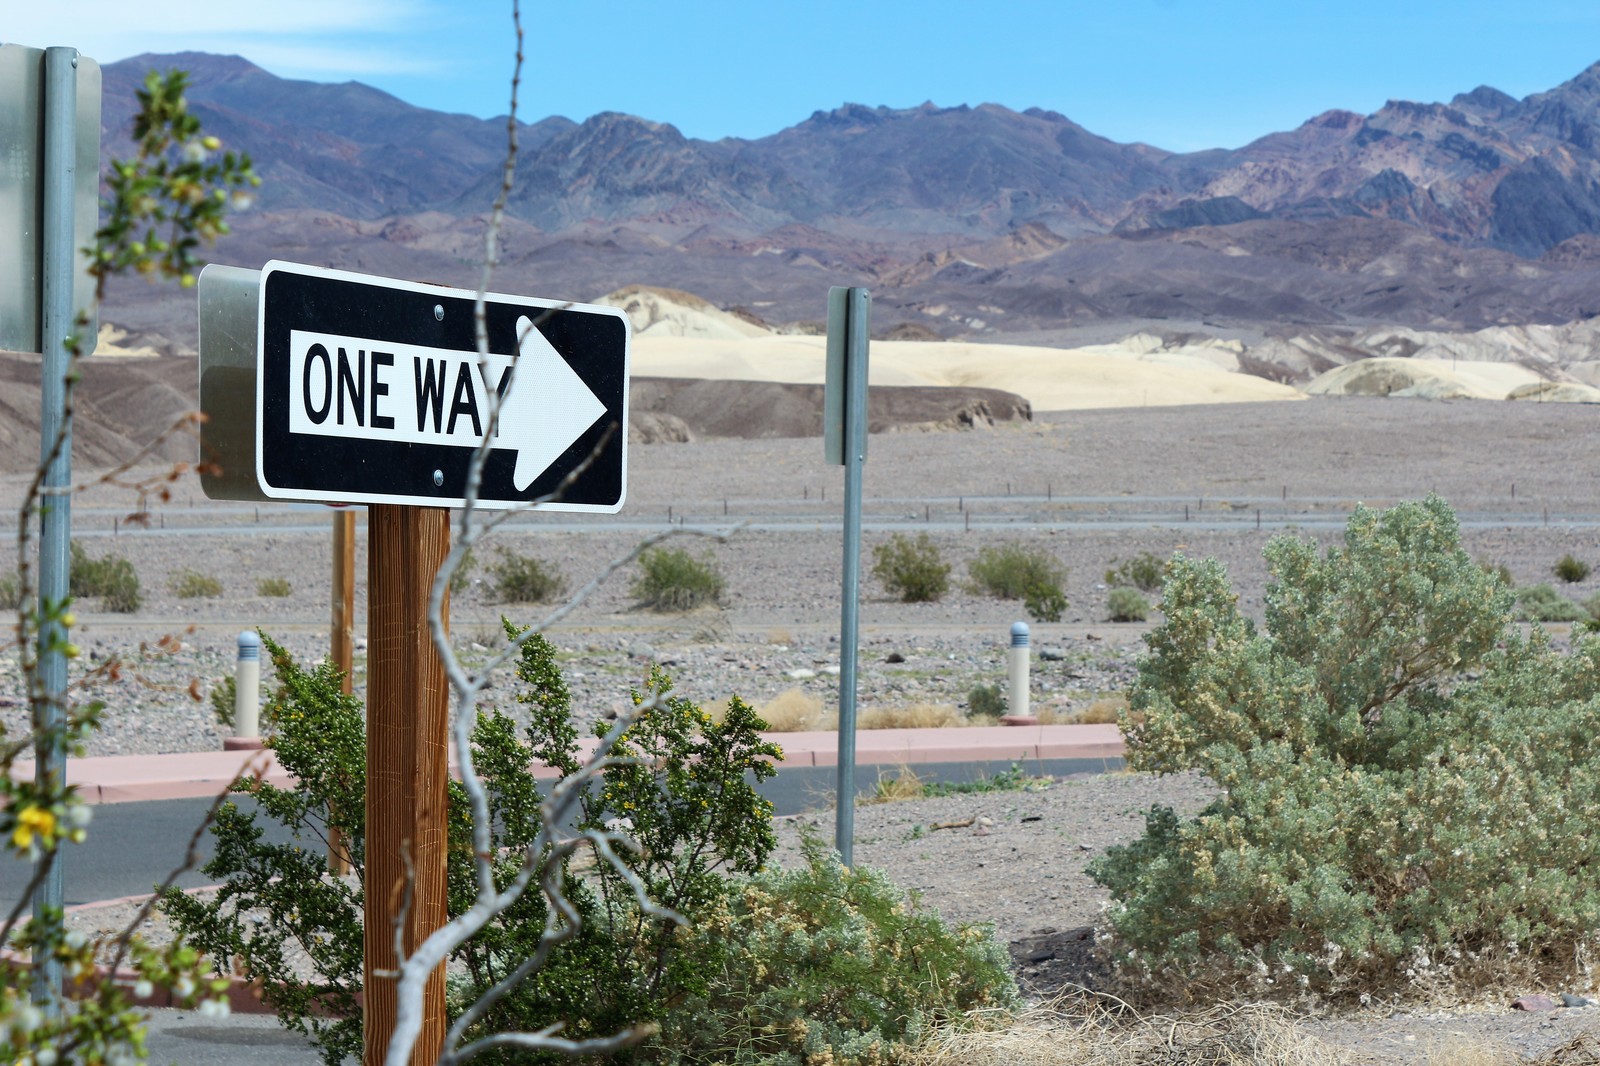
(372, 390)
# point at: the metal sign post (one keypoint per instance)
(845, 436)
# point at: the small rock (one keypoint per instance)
(641, 650)
(894, 657)
(1084, 847)
(985, 821)
(1042, 956)
(801, 674)
(1052, 655)
(1533, 1003)
(1570, 1000)
(831, 671)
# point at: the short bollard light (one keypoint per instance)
(1018, 712)
(246, 695)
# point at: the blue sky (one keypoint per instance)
(1180, 74)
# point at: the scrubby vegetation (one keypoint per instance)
(1542, 603)
(1017, 572)
(774, 968)
(670, 579)
(1142, 572)
(1385, 715)
(274, 588)
(111, 579)
(1127, 604)
(1570, 570)
(912, 568)
(523, 579)
(193, 585)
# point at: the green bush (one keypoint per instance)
(461, 580)
(1142, 572)
(1541, 603)
(825, 964)
(670, 579)
(1570, 570)
(110, 579)
(1016, 572)
(986, 700)
(524, 579)
(687, 798)
(193, 585)
(273, 587)
(1127, 605)
(911, 568)
(1387, 715)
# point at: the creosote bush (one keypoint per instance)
(111, 579)
(1126, 604)
(193, 585)
(1016, 572)
(525, 579)
(1570, 570)
(911, 568)
(670, 579)
(1364, 738)
(1142, 572)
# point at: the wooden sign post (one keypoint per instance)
(341, 643)
(408, 714)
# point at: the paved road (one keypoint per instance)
(134, 846)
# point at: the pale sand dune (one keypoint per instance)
(1428, 378)
(1050, 379)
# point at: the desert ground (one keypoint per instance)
(1090, 486)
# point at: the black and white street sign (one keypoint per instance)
(371, 390)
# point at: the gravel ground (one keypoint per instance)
(1092, 487)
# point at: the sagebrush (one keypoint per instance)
(525, 579)
(1127, 604)
(1142, 572)
(1388, 712)
(1017, 572)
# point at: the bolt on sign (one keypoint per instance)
(371, 390)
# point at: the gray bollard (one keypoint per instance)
(1019, 671)
(247, 688)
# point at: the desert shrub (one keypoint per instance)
(670, 579)
(1127, 604)
(1015, 572)
(193, 585)
(688, 799)
(910, 716)
(824, 963)
(110, 579)
(461, 579)
(1542, 603)
(10, 593)
(911, 568)
(793, 711)
(524, 579)
(1387, 713)
(1570, 570)
(274, 587)
(1107, 710)
(986, 700)
(1142, 572)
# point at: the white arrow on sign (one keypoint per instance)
(381, 390)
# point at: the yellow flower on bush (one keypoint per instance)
(32, 822)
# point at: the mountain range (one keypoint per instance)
(965, 220)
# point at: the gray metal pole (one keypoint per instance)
(859, 319)
(55, 518)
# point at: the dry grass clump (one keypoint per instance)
(911, 716)
(903, 784)
(1460, 1051)
(1106, 710)
(793, 711)
(1079, 1029)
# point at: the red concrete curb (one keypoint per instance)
(201, 775)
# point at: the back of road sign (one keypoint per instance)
(371, 390)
